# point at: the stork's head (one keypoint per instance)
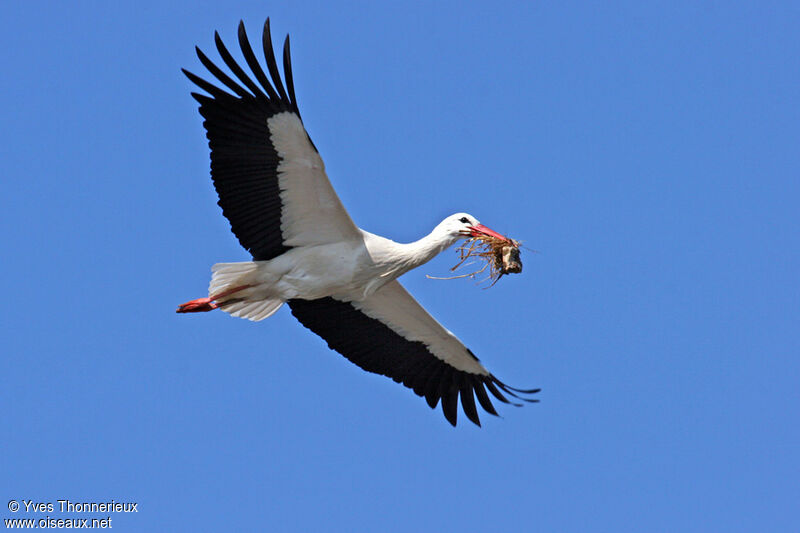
(463, 225)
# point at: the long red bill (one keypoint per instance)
(480, 229)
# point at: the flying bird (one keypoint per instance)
(339, 281)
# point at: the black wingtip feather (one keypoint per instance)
(252, 62)
(468, 401)
(499, 395)
(523, 391)
(272, 65)
(520, 398)
(432, 386)
(450, 406)
(514, 392)
(236, 69)
(432, 401)
(211, 89)
(483, 398)
(221, 76)
(201, 98)
(287, 73)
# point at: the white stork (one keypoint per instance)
(339, 280)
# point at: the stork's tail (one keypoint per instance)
(233, 289)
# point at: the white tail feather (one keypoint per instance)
(229, 275)
(254, 310)
(250, 303)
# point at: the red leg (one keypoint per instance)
(201, 305)
(197, 306)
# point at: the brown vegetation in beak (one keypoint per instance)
(500, 255)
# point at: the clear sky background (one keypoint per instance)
(649, 154)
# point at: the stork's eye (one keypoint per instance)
(465, 220)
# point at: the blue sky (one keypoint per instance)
(648, 153)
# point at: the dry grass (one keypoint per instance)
(501, 257)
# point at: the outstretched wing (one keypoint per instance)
(397, 338)
(270, 178)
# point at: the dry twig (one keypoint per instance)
(500, 255)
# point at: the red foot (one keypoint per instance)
(197, 306)
(201, 305)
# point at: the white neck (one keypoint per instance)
(419, 252)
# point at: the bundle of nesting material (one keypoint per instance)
(501, 256)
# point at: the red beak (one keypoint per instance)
(480, 229)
